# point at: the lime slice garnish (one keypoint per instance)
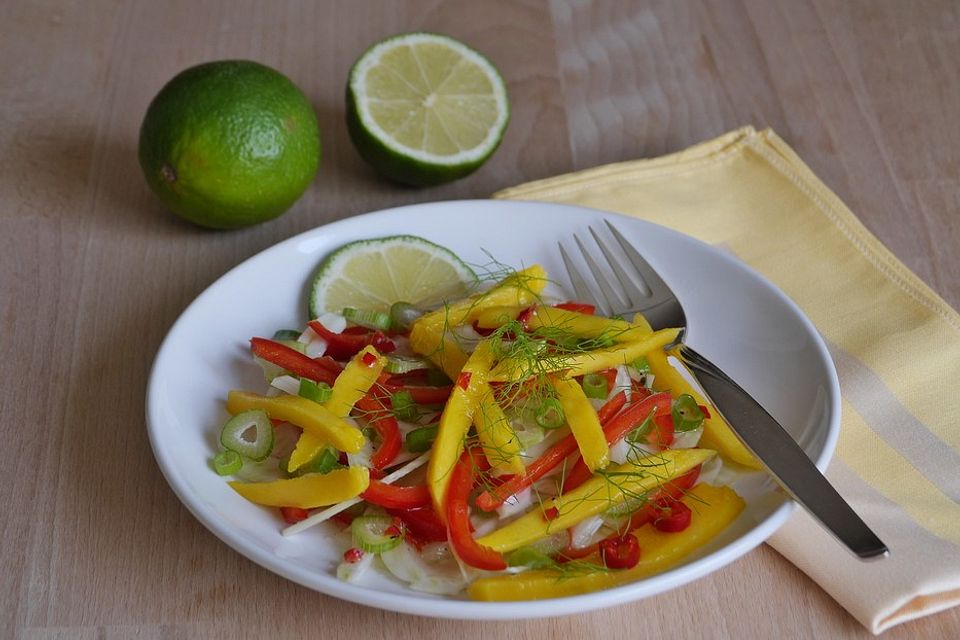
(374, 274)
(424, 108)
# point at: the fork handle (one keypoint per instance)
(782, 456)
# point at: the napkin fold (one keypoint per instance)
(895, 342)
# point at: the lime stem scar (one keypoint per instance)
(168, 172)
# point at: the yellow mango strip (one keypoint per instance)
(583, 422)
(612, 487)
(493, 317)
(717, 434)
(430, 334)
(584, 325)
(518, 289)
(500, 443)
(308, 491)
(640, 321)
(352, 383)
(713, 509)
(355, 381)
(313, 418)
(455, 422)
(577, 364)
(442, 349)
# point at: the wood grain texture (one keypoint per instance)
(94, 271)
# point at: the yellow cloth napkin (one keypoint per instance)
(896, 345)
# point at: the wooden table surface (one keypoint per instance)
(94, 270)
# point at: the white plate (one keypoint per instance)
(736, 318)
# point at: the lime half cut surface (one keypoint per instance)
(423, 108)
(374, 274)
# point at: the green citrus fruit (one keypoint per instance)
(424, 109)
(230, 143)
(374, 274)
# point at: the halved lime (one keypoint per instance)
(374, 274)
(424, 108)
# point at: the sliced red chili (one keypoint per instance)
(394, 496)
(369, 359)
(352, 555)
(579, 307)
(396, 529)
(293, 515)
(622, 552)
(673, 516)
(293, 361)
(458, 519)
(672, 490)
(463, 380)
(382, 343)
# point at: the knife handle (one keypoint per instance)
(782, 456)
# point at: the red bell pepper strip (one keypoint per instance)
(673, 516)
(387, 385)
(611, 407)
(343, 346)
(621, 552)
(422, 525)
(578, 307)
(458, 519)
(620, 426)
(495, 496)
(611, 376)
(385, 424)
(293, 361)
(396, 497)
(662, 436)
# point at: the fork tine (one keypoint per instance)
(614, 301)
(634, 293)
(579, 284)
(658, 288)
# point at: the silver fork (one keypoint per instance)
(756, 428)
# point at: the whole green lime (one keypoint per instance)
(228, 144)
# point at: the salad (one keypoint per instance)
(503, 445)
